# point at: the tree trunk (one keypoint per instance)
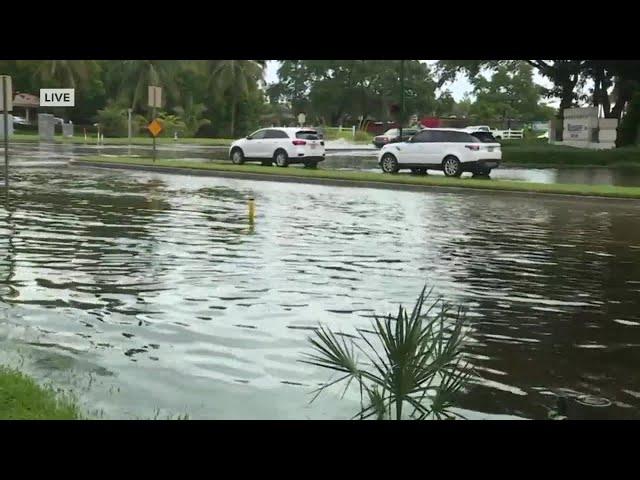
(233, 114)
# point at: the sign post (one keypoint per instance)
(6, 101)
(401, 96)
(155, 101)
(129, 111)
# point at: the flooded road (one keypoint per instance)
(149, 293)
(38, 154)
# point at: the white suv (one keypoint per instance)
(283, 146)
(450, 150)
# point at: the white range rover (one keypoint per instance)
(451, 150)
(283, 146)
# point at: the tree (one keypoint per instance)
(338, 91)
(235, 80)
(509, 93)
(62, 73)
(630, 127)
(136, 75)
(564, 74)
(445, 104)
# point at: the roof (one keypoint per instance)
(26, 100)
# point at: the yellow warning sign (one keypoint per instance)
(155, 128)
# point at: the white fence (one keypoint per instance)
(340, 130)
(508, 134)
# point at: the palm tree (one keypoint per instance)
(237, 78)
(62, 73)
(410, 362)
(137, 75)
(192, 114)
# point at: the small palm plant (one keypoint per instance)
(413, 372)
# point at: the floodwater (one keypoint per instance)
(37, 154)
(151, 295)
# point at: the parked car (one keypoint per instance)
(20, 121)
(283, 146)
(479, 128)
(451, 150)
(393, 135)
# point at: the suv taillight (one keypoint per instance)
(299, 142)
(473, 147)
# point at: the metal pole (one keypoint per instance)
(153, 116)
(5, 107)
(401, 96)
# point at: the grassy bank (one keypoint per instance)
(27, 137)
(544, 154)
(21, 398)
(371, 177)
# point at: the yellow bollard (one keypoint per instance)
(252, 209)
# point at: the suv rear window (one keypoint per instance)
(276, 134)
(308, 135)
(484, 137)
(456, 137)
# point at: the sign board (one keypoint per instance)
(155, 97)
(6, 93)
(579, 124)
(540, 126)
(301, 118)
(57, 97)
(155, 127)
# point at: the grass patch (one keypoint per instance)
(402, 179)
(29, 137)
(347, 134)
(544, 154)
(21, 398)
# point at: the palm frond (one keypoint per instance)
(413, 360)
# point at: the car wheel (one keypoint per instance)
(311, 164)
(451, 166)
(389, 163)
(281, 158)
(237, 157)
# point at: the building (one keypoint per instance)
(27, 104)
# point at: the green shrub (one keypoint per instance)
(412, 362)
(363, 137)
(171, 124)
(526, 153)
(113, 120)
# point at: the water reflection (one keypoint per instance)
(162, 281)
(38, 154)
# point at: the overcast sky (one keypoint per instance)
(458, 88)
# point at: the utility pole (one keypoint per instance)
(6, 106)
(153, 117)
(401, 96)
